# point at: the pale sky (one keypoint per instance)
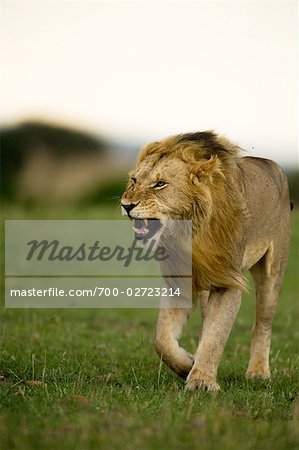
(139, 71)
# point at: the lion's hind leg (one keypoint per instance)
(268, 275)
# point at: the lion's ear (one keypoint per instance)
(205, 171)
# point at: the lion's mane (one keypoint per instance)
(217, 206)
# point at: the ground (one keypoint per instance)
(101, 385)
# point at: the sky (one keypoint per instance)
(142, 70)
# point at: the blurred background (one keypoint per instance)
(85, 84)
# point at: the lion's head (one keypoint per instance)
(191, 177)
(175, 179)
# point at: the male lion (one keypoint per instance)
(240, 212)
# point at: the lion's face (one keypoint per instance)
(157, 192)
(173, 180)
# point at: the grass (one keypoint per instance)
(102, 386)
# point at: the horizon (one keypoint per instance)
(100, 68)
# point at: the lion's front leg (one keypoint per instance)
(221, 310)
(169, 328)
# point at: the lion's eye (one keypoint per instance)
(133, 179)
(159, 185)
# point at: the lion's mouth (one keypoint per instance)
(146, 228)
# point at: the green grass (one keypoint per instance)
(104, 387)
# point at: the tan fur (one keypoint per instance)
(240, 211)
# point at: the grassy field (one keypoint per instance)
(101, 384)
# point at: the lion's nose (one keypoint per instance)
(129, 207)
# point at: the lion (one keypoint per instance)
(240, 212)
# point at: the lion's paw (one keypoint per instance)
(258, 374)
(198, 380)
